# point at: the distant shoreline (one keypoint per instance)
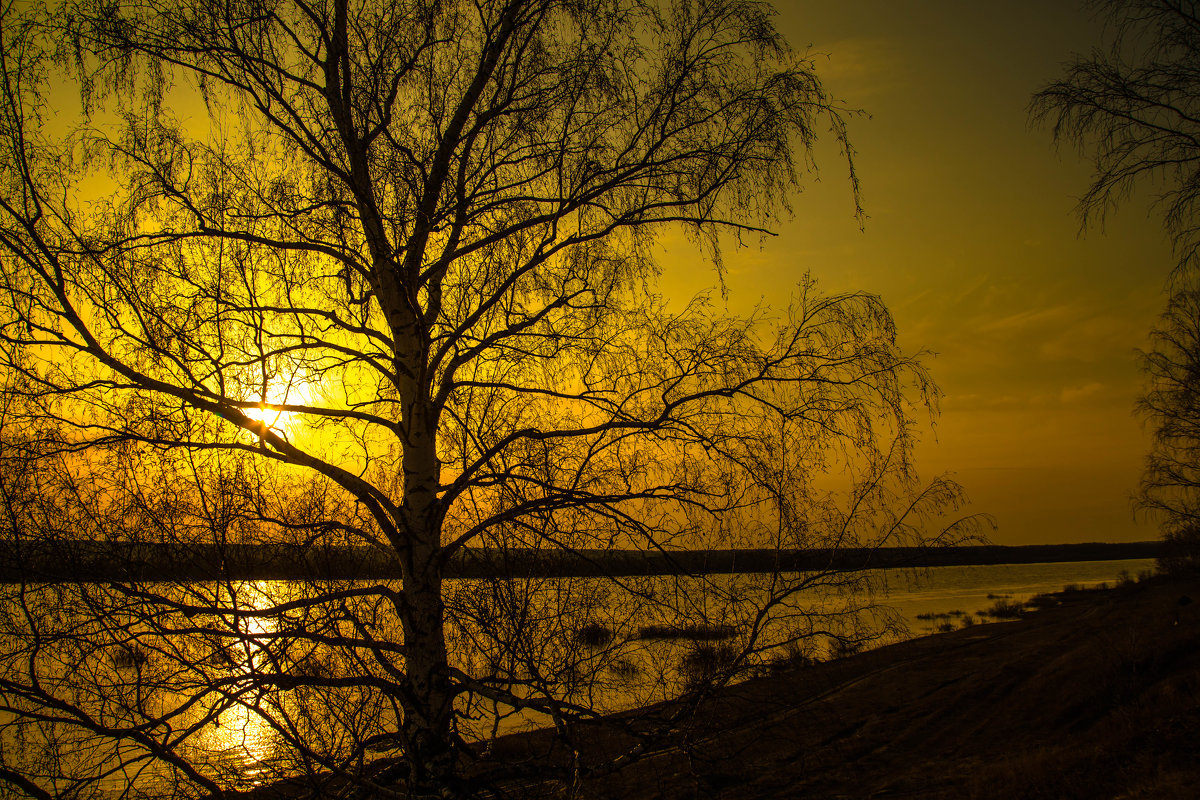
(59, 562)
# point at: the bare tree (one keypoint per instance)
(1171, 485)
(1134, 108)
(396, 287)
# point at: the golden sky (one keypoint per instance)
(973, 243)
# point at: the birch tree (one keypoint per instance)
(384, 274)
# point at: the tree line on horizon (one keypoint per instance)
(75, 561)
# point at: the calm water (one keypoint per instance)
(245, 745)
(942, 590)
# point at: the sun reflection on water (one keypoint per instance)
(240, 736)
(243, 740)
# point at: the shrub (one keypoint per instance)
(840, 648)
(127, 656)
(1044, 600)
(1004, 609)
(944, 615)
(705, 661)
(696, 633)
(793, 656)
(624, 669)
(593, 634)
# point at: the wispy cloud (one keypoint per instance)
(1075, 394)
(859, 67)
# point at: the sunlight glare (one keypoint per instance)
(296, 391)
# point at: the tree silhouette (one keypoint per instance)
(1135, 107)
(384, 274)
(1172, 405)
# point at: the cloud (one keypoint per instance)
(860, 66)
(1074, 394)
(1030, 319)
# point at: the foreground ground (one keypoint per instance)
(1095, 697)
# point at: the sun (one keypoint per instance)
(295, 391)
